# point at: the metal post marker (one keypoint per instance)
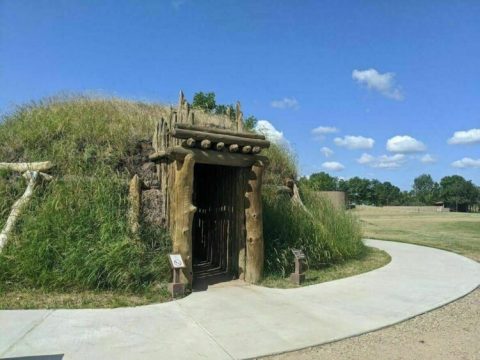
(298, 276)
(176, 288)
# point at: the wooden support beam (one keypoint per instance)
(220, 131)
(233, 148)
(22, 167)
(190, 142)
(17, 208)
(254, 225)
(206, 144)
(208, 157)
(220, 146)
(227, 139)
(247, 149)
(256, 149)
(183, 214)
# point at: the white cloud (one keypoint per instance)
(326, 151)
(428, 159)
(285, 103)
(466, 162)
(405, 144)
(383, 161)
(322, 130)
(471, 136)
(354, 142)
(383, 83)
(333, 166)
(266, 128)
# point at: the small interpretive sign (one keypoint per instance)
(299, 255)
(176, 261)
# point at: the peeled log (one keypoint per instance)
(206, 144)
(190, 142)
(246, 149)
(233, 148)
(135, 203)
(183, 214)
(254, 225)
(32, 177)
(22, 167)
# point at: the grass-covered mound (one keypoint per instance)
(74, 234)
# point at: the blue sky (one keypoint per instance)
(360, 72)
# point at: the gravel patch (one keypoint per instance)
(450, 332)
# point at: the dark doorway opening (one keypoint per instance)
(216, 224)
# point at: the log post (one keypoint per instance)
(135, 203)
(254, 225)
(183, 214)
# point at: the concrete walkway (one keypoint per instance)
(244, 321)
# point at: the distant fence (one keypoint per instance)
(411, 208)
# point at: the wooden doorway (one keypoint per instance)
(218, 224)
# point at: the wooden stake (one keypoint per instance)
(135, 202)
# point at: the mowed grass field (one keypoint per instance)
(457, 232)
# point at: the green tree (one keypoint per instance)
(322, 182)
(425, 189)
(204, 101)
(457, 192)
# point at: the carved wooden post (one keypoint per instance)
(183, 214)
(254, 225)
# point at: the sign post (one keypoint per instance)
(176, 288)
(298, 276)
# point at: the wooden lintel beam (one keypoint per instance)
(219, 131)
(208, 157)
(215, 138)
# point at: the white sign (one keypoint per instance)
(176, 261)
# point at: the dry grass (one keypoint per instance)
(457, 232)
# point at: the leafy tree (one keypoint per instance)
(322, 182)
(250, 122)
(425, 189)
(458, 192)
(204, 101)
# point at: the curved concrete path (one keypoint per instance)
(243, 321)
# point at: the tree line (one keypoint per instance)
(454, 191)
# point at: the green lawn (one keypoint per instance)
(371, 260)
(457, 232)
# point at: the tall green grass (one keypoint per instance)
(327, 235)
(74, 234)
